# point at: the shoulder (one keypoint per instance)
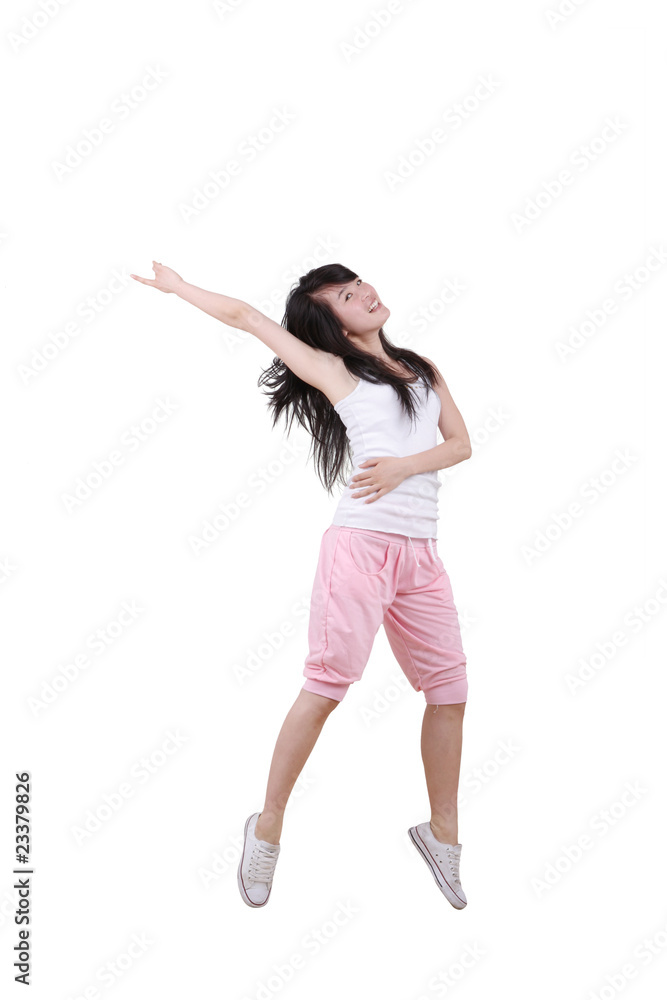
(440, 386)
(440, 380)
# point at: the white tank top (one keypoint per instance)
(377, 425)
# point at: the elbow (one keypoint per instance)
(459, 448)
(240, 316)
(464, 450)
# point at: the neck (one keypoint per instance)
(370, 343)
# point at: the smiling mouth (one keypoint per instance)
(375, 304)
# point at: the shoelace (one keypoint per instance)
(262, 864)
(453, 860)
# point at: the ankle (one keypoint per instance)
(268, 828)
(444, 834)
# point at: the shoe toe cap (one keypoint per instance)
(258, 894)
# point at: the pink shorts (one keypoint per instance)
(367, 578)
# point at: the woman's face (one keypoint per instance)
(357, 306)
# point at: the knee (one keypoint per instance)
(453, 710)
(319, 704)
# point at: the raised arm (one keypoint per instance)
(313, 366)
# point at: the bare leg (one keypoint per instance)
(297, 737)
(442, 732)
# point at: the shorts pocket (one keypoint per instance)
(369, 554)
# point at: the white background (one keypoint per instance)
(541, 919)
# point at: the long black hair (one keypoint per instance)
(311, 319)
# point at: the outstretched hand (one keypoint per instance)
(165, 279)
(383, 475)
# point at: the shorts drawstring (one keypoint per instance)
(430, 545)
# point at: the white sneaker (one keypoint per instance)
(257, 865)
(443, 860)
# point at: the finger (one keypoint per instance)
(144, 281)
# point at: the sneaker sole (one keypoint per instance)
(239, 879)
(444, 887)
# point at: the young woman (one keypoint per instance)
(362, 398)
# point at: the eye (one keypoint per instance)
(349, 293)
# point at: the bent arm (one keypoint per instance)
(450, 452)
(456, 446)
